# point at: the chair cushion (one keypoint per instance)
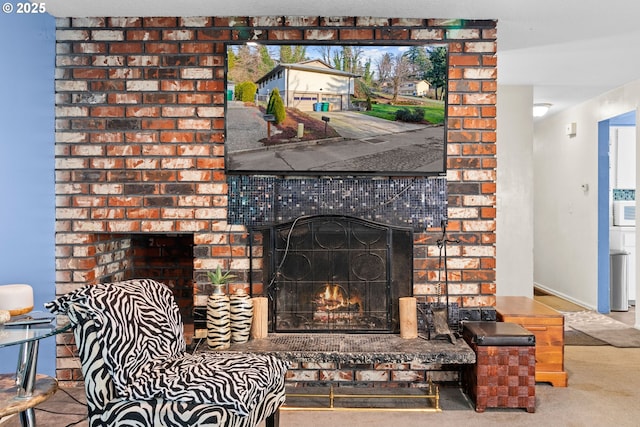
(237, 382)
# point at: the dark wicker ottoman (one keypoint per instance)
(505, 369)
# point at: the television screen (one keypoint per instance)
(339, 109)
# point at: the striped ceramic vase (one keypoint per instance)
(218, 320)
(241, 316)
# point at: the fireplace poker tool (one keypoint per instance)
(441, 325)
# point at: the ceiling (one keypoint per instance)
(568, 50)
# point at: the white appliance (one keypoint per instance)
(624, 212)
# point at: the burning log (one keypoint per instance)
(334, 298)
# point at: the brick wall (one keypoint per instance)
(140, 142)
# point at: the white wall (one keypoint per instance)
(565, 216)
(514, 188)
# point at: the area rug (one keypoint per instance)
(602, 328)
(575, 337)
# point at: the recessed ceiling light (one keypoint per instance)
(540, 110)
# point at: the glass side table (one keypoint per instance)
(28, 388)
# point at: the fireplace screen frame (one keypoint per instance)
(302, 239)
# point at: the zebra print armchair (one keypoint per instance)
(137, 372)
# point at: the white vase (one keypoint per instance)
(241, 316)
(218, 321)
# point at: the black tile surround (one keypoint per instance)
(416, 202)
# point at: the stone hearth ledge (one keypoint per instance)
(355, 348)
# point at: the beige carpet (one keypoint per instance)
(602, 328)
(603, 391)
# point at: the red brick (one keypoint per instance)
(143, 136)
(479, 149)
(143, 213)
(213, 34)
(163, 47)
(106, 137)
(125, 22)
(89, 48)
(356, 34)
(177, 85)
(123, 150)
(463, 136)
(159, 22)
(230, 21)
(464, 85)
(488, 111)
(488, 213)
(195, 98)
(90, 73)
(479, 124)
(464, 60)
(196, 48)
(489, 86)
(125, 201)
(177, 34)
(159, 98)
(337, 21)
(489, 163)
(146, 35)
(388, 33)
(489, 137)
(124, 98)
(169, 136)
(115, 48)
(454, 73)
(488, 188)
(143, 111)
(163, 150)
(159, 175)
(464, 111)
(210, 86)
(158, 124)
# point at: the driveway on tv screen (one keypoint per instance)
(367, 144)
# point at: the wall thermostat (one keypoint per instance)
(570, 129)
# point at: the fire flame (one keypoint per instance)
(334, 297)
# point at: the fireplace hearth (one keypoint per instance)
(337, 274)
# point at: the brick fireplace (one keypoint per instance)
(140, 119)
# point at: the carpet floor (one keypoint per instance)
(604, 384)
(603, 390)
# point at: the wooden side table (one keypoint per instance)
(27, 389)
(10, 403)
(547, 325)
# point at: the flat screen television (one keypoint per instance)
(338, 109)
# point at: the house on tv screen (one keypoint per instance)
(309, 85)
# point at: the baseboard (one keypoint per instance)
(564, 296)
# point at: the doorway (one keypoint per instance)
(606, 186)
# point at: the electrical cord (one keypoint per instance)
(277, 273)
(286, 250)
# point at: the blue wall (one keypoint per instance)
(27, 202)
